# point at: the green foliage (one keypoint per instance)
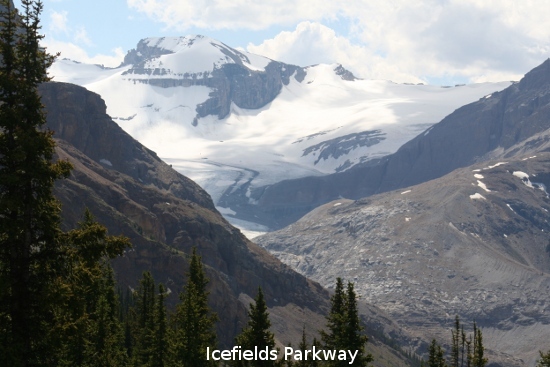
(334, 339)
(87, 329)
(256, 333)
(478, 360)
(456, 337)
(30, 250)
(544, 360)
(436, 355)
(143, 325)
(303, 346)
(345, 331)
(160, 346)
(465, 350)
(194, 321)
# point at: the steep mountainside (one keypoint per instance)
(130, 190)
(165, 214)
(234, 121)
(497, 125)
(474, 243)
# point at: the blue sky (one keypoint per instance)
(433, 41)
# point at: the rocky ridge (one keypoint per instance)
(165, 214)
(476, 132)
(233, 78)
(171, 92)
(474, 243)
(134, 193)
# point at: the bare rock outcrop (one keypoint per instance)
(474, 242)
(132, 192)
(471, 134)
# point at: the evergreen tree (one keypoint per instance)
(458, 344)
(288, 362)
(317, 344)
(455, 349)
(160, 351)
(544, 360)
(334, 338)
(303, 346)
(256, 333)
(344, 326)
(462, 348)
(87, 327)
(436, 356)
(104, 345)
(354, 337)
(478, 360)
(146, 333)
(469, 356)
(194, 321)
(143, 328)
(30, 250)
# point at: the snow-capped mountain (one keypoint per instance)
(231, 120)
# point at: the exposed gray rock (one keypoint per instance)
(498, 123)
(231, 82)
(344, 73)
(133, 193)
(344, 144)
(472, 243)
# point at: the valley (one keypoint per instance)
(196, 196)
(269, 142)
(218, 114)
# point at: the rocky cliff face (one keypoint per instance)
(132, 192)
(474, 243)
(164, 214)
(478, 131)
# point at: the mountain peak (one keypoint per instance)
(174, 44)
(537, 77)
(344, 73)
(189, 54)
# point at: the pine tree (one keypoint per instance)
(30, 250)
(87, 327)
(288, 362)
(478, 359)
(194, 321)
(160, 348)
(303, 346)
(344, 326)
(436, 356)
(104, 345)
(462, 347)
(143, 330)
(544, 360)
(317, 344)
(354, 337)
(256, 333)
(455, 350)
(334, 338)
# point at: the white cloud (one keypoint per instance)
(233, 14)
(314, 43)
(59, 26)
(81, 36)
(70, 41)
(74, 52)
(58, 22)
(473, 40)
